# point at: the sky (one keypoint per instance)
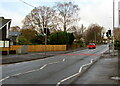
(91, 11)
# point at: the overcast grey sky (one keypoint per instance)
(91, 11)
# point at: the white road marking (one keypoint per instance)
(69, 77)
(63, 60)
(56, 62)
(85, 65)
(108, 59)
(80, 70)
(26, 62)
(31, 70)
(43, 66)
(17, 74)
(4, 78)
(115, 78)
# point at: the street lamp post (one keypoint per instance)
(113, 26)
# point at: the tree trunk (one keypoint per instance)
(64, 27)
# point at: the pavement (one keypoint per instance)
(10, 59)
(105, 71)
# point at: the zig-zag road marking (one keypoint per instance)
(80, 70)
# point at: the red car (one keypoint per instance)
(91, 46)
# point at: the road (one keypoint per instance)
(53, 70)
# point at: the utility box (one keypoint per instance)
(24, 49)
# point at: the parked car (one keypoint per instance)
(91, 46)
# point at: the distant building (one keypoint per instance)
(4, 32)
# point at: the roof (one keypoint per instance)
(4, 21)
(14, 33)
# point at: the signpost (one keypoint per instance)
(108, 34)
(46, 33)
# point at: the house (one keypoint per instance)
(13, 37)
(4, 32)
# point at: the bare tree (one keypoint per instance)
(79, 34)
(39, 18)
(94, 33)
(117, 33)
(68, 14)
(77, 31)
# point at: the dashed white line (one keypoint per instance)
(43, 66)
(63, 60)
(31, 70)
(56, 62)
(27, 61)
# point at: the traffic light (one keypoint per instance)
(107, 34)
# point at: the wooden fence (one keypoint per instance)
(12, 47)
(37, 48)
(41, 48)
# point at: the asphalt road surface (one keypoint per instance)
(53, 70)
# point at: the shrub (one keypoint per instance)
(61, 38)
(23, 41)
(70, 38)
(39, 39)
